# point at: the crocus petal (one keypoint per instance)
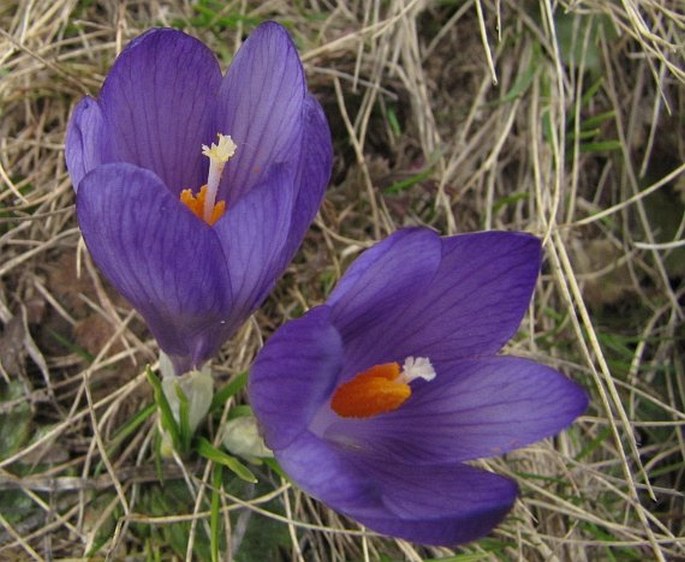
(157, 102)
(401, 473)
(253, 236)
(476, 301)
(164, 99)
(314, 173)
(377, 288)
(438, 504)
(293, 375)
(260, 104)
(328, 473)
(474, 408)
(84, 134)
(163, 259)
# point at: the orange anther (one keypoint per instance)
(374, 391)
(196, 204)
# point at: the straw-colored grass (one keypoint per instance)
(564, 119)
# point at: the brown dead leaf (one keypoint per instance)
(12, 351)
(93, 333)
(606, 278)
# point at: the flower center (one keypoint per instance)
(380, 389)
(204, 204)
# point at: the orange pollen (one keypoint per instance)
(375, 391)
(196, 204)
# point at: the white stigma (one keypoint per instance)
(417, 368)
(218, 154)
(222, 152)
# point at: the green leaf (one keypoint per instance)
(239, 411)
(273, 465)
(589, 94)
(584, 134)
(210, 452)
(393, 121)
(230, 389)
(601, 146)
(597, 120)
(508, 200)
(602, 436)
(185, 434)
(525, 76)
(403, 185)
(166, 415)
(16, 427)
(215, 515)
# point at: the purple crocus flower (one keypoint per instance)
(194, 190)
(374, 401)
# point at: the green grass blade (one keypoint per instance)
(215, 514)
(166, 415)
(209, 451)
(230, 389)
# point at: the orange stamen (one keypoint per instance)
(196, 204)
(375, 391)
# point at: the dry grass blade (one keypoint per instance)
(559, 118)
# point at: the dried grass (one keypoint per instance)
(559, 118)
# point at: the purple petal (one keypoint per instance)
(435, 504)
(328, 473)
(474, 408)
(260, 104)
(475, 303)
(157, 102)
(253, 234)
(294, 374)
(314, 172)
(163, 259)
(438, 504)
(84, 134)
(377, 288)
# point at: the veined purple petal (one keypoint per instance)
(293, 375)
(162, 100)
(454, 301)
(436, 504)
(260, 104)
(383, 282)
(476, 301)
(441, 504)
(474, 408)
(157, 102)
(163, 259)
(314, 173)
(253, 234)
(329, 474)
(84, 135)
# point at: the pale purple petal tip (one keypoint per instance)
(261, 105)
(157, 103)
(476, 300)
(83, 150)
